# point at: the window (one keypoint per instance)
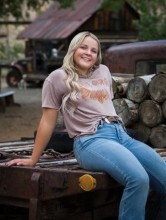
(147, 67)
(142, 68)
(161, 67)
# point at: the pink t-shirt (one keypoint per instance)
(94, 100)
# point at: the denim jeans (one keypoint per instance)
(130, 162)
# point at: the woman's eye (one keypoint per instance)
(82, 47)
(86, 48)
(94, 51)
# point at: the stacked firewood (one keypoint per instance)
(141, 103)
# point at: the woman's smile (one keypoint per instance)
(86, 55)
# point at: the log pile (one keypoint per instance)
(141, 103)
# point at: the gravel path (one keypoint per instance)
(21, 120)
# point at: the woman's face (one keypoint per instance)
(85, 55)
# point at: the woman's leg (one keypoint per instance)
(154, 165)
(101, 154)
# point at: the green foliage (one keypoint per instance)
(66, 3)
(13, 53)
(17, 51)
(15, 7)
(2, 51)
(151, 27)
(112, 4)
(152, 23)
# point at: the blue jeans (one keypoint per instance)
(132, 163)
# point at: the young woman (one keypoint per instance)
(82, 91)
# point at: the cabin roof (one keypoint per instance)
(58, 23)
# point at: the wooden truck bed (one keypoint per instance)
(56, 188)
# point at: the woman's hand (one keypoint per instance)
(45, 129)
(20, 162)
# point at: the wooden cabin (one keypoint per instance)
(56, 26)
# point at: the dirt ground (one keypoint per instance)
(21, 120)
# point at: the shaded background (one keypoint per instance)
(21, 120)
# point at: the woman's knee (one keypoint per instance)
(140, 181)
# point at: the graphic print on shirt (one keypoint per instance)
(99, 92)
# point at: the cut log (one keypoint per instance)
(119, 90)
(143, 129)
(157, 87)
(122, 79)
(122, 88)
(119, 84)
(164, 109)
(127, 110)
(137, 89)
(157, 136)
(114, 86)
(150, 113)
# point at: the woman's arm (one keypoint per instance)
(46, 127)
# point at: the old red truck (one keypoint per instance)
(138, 58)
(57, 188)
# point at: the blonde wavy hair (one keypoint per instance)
(71, 70)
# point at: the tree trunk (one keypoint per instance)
(157, 136)
(164, 109)
(150, 113)
(137, 89)
(127, 110)
(157, 87)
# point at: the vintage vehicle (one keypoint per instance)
(57, 188)
(138, 58)
(32, 69)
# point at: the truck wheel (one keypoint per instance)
(13, 78)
